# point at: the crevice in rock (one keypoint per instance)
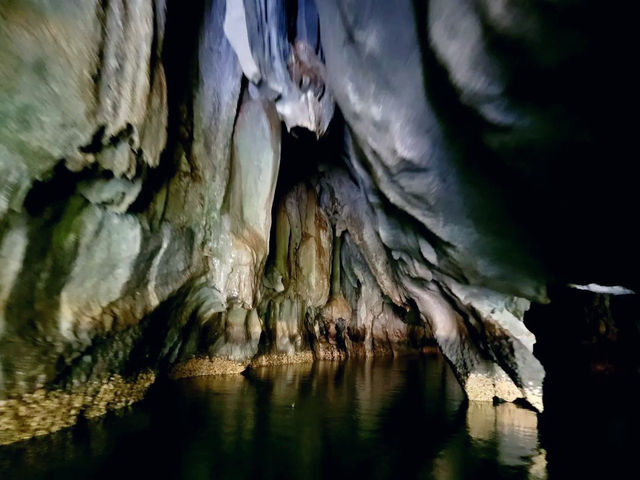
(180, 59)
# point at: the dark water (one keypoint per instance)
(382, 419)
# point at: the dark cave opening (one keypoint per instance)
(587, 344)
(302, 152)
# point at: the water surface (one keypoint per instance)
(358, 419)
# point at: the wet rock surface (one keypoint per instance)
(46, 411)
(191, 189)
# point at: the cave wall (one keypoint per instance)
(152, 220)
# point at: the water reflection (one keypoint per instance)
(377, 419)
(512, 431)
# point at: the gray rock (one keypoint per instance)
(148, 214)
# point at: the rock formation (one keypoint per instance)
(193, 187)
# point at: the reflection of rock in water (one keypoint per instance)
(374, 386)
(402, 418)
(233, 405)
(284, 381)
(512, 431)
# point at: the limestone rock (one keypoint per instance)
(158, 209)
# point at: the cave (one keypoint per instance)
(318, 238)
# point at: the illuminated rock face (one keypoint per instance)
(144, 221)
